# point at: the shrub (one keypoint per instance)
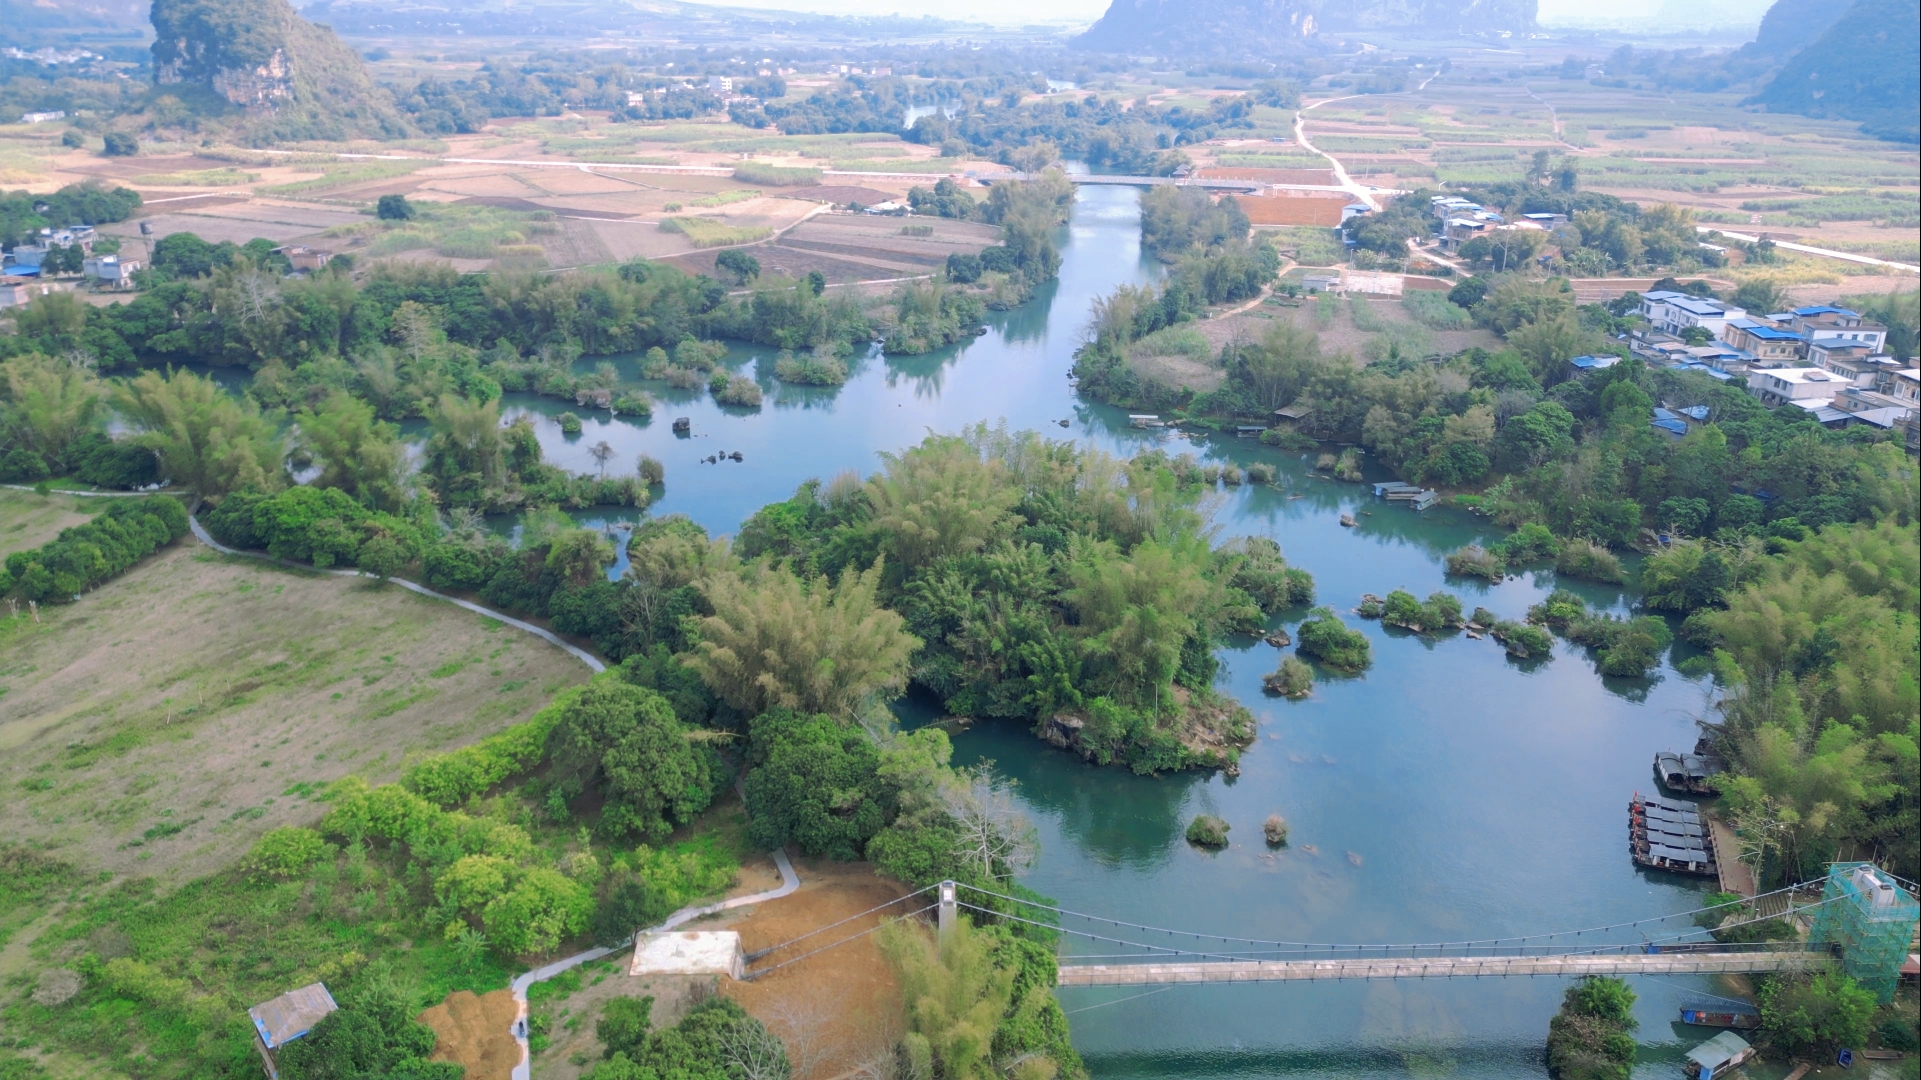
(1532, 542)
(738, 390)
(1274, 830)
(89, 555)
(1260, 473)
(1590, 561)
(1326, 638)
(1522, 641)
(543, 910)
(1207, 831)
(651, 470)
(1287, 439)
(119, 144)
(285, 853)
(1476, 561)
(1441, 611)
(452, 778)
(569, 423)
(1294, 678)
(813, 370)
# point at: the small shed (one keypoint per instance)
(683, 952)
(1718, 1056)
(286, 1018)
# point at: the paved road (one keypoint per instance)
(1806, 250)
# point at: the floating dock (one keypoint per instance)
(1671, 836)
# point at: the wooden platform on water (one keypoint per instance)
(1441, 967)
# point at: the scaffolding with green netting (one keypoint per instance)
(1872, 919)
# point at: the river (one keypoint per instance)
(1448, 794)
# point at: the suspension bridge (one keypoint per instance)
(1863, 921)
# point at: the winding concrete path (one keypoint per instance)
(548, 636)
(789, 881)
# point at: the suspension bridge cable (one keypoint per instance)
(1117, 1001)
(1512, 939)
(1166, 950)
(757, 954)
(752, 975)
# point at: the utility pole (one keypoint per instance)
(948, 905)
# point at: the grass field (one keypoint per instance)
(28, 520)
(164, 721)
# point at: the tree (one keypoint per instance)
(777, 640)
(372, 1034)
(358, 454)
(938, 499)
(1823, 1011)
(394, 208)
(543, 909)
(737, 263)
(1696, 335)
(816, 784)
(209, 441)
(625, 742)
(119, 144)
(46, 405)
(602, 452)
(467, 439)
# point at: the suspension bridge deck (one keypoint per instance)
(1440, 967)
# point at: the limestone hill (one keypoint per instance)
(258, 63)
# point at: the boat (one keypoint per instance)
(1690, 773)
(1671, 836)
(1145, 420)
(1722, 1014)
(1719, 1056)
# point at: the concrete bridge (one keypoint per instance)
(1442, 967)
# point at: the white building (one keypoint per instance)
(1780, 386)
(1675, 313)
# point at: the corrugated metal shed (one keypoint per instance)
(291, 1015)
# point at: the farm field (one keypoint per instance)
(164, 721)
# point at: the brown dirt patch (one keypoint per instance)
(840, 1008)
(475, 1032)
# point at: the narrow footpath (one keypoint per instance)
(789, 881)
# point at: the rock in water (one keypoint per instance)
(1275, 830)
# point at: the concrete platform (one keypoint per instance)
(678, 952)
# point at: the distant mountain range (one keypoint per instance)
(1864, 65)
(1251, 28)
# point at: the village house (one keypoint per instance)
(110, 271)
(16, 290)
(1767, 343)
(1675, 313)
(1783, 386)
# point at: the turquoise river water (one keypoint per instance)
(1448, 794)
